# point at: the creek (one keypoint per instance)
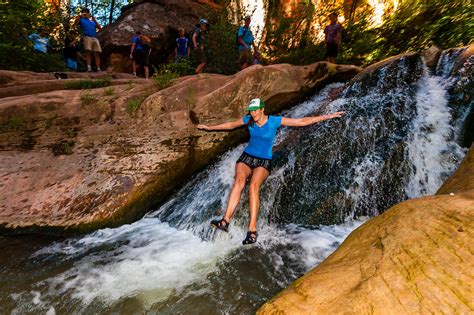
(400, 139)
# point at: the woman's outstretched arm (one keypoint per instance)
(306, 121)
(224, 126)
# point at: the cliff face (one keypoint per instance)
(414, 258)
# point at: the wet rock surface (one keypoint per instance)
(77, 160)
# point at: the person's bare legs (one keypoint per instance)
(147, 71)
(242, 171)
(97, 60)
(200, 68)
(88, 59)
(134, 66)
(258, 177)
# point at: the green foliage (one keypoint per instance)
(18, 58)
(64, 147)
(415, 26)
(420, 23)
(15, 123)
(88, 99)
(87, 84)
(220, 47)
(133, 105)
(163, 80)
(109, 91)
(182, 68)
(165, 74)
(304, 56)
(21, 17)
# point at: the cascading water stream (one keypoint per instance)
(398, 140)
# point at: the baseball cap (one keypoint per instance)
(255, 104)
(203, 21)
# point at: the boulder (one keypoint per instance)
(431, 56)
(78, 160)
(414, 258)
(160, 20)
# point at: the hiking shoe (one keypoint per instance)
(251, 238)
(221, 224)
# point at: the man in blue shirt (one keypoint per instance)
(140, 53)
(89, 25)
(245, 40)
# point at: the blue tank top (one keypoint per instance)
(262, 137)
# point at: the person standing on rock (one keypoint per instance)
(333, 38)
(256, 160)
(245, 41)
(89, 26)
(140, 53)
(40, 41)
(71, 50)
(182, 47)
(199, 37)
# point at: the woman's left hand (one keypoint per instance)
(336, 115)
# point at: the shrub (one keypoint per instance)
(19, 58)
(133, 105)
(87, 84)
(109, 91)
(87, 99)
(165, 74)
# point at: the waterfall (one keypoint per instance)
(398, 140)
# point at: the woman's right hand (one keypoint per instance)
(203, 127)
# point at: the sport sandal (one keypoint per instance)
(221, 224)
(251, 238)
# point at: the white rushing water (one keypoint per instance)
(432, 146)
(172, 252)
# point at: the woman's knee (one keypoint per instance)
(239, 182)
(254, 188)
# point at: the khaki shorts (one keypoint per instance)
(92, 44)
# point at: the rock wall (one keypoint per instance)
(414, 258)
(77, 160)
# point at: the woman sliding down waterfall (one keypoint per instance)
(256, 158)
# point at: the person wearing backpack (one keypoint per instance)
(199, 36)
(140, 53)
(245, 40)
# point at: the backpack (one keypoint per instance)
(191, 35)
(237, 35)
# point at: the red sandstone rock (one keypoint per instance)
(83, 159)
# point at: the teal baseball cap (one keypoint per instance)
(255, 104)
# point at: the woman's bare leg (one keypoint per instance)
(242, 171)
(258, 177)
